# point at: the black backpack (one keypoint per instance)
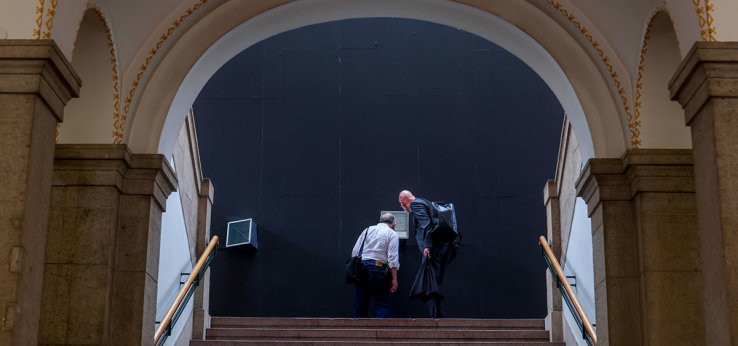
(443, 216)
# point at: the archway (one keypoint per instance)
(564, 65)
(314, 131)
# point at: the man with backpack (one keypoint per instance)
(438, 238)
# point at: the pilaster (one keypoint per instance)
(646, 248)
(36, 82)
(606, 191)
(201, 298)
(103, 245)
(706, 85)
(554, 319)
(662, 185)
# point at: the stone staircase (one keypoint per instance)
(232, 331)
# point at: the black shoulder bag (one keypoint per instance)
(353, 265)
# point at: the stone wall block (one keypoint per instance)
(55, 302)
(88, 178)
(619, 238)
(599, 254)
(665, 203)
(134, 234)
(88, 297)
(104, 155)
(133, 309)
(601, 312)
(670, 242)
(665, 299)
(622, 308)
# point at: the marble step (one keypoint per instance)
(376, 334)
(383, 342)
(336, 323)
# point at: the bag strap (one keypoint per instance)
(361, 250)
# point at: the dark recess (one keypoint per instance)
(312, 132)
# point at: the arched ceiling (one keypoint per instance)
(610, 32)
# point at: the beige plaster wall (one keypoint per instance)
(89, 118)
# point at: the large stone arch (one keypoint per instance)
(519, 27)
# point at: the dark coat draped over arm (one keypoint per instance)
(423, 224)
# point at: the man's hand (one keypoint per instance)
(394, 280)
(426, 252)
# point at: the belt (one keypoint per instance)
(375, 262)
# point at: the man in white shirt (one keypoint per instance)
(378, 258)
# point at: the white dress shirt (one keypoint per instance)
(381, 245)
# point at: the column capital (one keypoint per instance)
(38, 67)
(114, 165)
(710, 69)
(602, 180)
(207, 189)
(638, 170)
(550, 191)
(659, 170)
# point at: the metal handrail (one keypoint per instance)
(186, 291)
(568, 293)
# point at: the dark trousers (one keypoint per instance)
(373, 283)
(440, 255)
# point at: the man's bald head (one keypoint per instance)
(406, 197)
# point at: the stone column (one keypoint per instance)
(662, 185)
(554, 319)
(201, 298)
(103, 245)
(36, 82)
(646, 248)
(605, 189)
(706, 85)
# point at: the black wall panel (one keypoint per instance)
(314, 131)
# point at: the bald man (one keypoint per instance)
(379, 259)
(440, 252)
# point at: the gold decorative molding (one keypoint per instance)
(705, 19)
(709, 8)
(49, 22)
(635, 141)
(118, 120)
(149, 58)
(641, 65)
(39, 19)
(45, 20)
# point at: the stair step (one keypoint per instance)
(383, 342)
(336, 323)
(375, 334)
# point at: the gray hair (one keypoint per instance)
(387, 218)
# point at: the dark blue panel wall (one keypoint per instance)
(314, 131)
